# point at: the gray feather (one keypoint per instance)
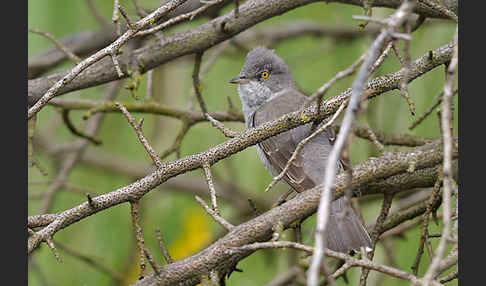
(268, 99)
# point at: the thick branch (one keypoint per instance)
(248, 138)
(302, 206)
(186, 42)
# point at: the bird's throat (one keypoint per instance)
(252, 96)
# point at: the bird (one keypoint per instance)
(267, 91)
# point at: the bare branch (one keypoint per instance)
(350, 261)
(196, 83)
(187, 16)
(124, 14)
(163, 248)
(226, 132)
(58, 44)
(80, 145)
(446, 130)
(72, 128)
(179, 44)
(143, 140)
(53, 249)
(149, 107)
(212, 191)
(108, 51)
(91, 261)
(358, 89)
(441, 9)
(138, 236)
(116, 17)
(221, 221)
(150, 259)
(429, 110)
(375, 234)
(247, 138)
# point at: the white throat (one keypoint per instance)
(252, 96)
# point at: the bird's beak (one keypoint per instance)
(239, 80)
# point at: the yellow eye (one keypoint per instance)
(264, 74)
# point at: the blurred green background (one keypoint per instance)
(108, 236)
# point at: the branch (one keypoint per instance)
(151, 107)
(357, 92)
(349, 260)
(81, 43)
(110, 50)
(220, 220)
(446, 130)
(234, 145)
(257, 229)
(163, 248)
(69, 161)
(141, 137)
(188, 42)
(58, 44)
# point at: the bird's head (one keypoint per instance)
(264, 72)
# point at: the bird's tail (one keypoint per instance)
(345, 233)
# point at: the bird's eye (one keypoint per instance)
(264, 75)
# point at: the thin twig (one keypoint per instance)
(375, 141)
(140, 135)
(429, 110)
(449, 277)
(351, 261)
(383, 138)
(188, 16)
(196, 83)
(116, 17)
(31, 159)
(114, 59)
(138, 235)
(80, 146)
(425, 223)
(220, 220)
(53, 249)
(212, 190)
(163, 248)
(176, 146)
(375, 234)
(405, 61)
(75, 131)
(151, 261)
(394, 21)
(124, 14)
(94, 262)
(58, 44)
(381, 58)
(446, 118)
(301, 145)
(110, 50)
(226, 132)
(319, 94)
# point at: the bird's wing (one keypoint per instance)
(278, 149)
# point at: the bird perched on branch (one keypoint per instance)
(267, 91)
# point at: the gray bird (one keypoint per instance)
(267, 91)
